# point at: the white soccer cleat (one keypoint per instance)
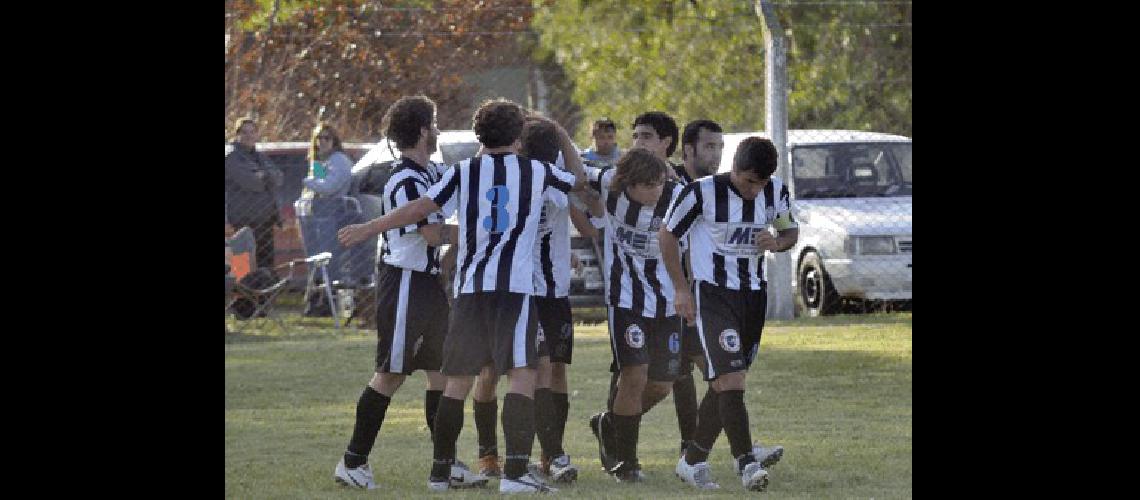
(461, 477)
(562, 471)
(698, 475)
(754, 477)
(526, 483)
(765, 455)
(360, 477)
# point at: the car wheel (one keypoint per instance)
(817, 296)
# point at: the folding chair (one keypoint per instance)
(320, 263)
(264, 299)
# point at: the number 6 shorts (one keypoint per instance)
(499, 328)
(637, 340)
(729, 323)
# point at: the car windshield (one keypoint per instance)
(852, 170)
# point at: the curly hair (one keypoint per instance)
(539, 141)
(637, 166)
(404, 119)
(663, 124)
(498, 123)
(755, 154)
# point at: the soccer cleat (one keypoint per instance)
(627, 472)
(536, 470)
(698, 475)
(525, 483)
(359, 477)
(754, 477)
(765, 455)
(461, 477)
(560, 470)
(597, 428)
(490, 466)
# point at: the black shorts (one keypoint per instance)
(637, 340)
(555, 328)
(411, 320)
(499, 328)
(729, 323)
(690, 348)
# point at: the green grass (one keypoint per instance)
(835, 392)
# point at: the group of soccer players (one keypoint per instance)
(683, 265)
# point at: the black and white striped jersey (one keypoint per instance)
(552, 249)
(404, 246)
(722, 226)
(499, 200)
(636, 277)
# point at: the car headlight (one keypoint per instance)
(876, 245)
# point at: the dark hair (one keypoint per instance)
(314, 149)
(539, 141)
(603, 123)
(242, 121)
(756, 154)
(405, 118)
(637, 166)
(663, 124)
(498, 122)
(693, 131)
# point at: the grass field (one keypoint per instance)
(835, 392)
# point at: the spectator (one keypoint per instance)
(324, 208)
(251, 184)
(605, 148)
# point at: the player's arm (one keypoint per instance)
(409, 214)
(671, 254)
(582, 223)
(787, 230)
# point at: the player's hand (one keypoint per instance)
(765, 241)
(352, 234)
(683, 302)
(576, 264)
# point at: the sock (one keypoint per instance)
(734, 416)
(626, 430)
(561, 410)
(518, 433)
(685, 402)
(708, 428)
(370, 410)
(544, 419)
(485, 415)
(431, 405)
(613, 392)
(448, 423)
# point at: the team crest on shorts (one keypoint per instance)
(730, 340)
(674, 342)
(634, 336)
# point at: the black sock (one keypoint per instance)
(518, 433)
(685, 402)
(485, 415)
(734, 416)
(626, 430)
(370, 409)
(613, 392)
(544, 420)
(708, 428)
(431, 405)
(448, 423)
(561, 410)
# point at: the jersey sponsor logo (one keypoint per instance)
(636, 242)
(730, 340)
(500, 218)
(739, 240)
(674, 342)
(634, 337)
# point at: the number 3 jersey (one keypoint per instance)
(723, 226)
(499, 200)
(638, 280)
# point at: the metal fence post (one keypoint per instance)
(780, 298)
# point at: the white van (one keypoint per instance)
(851, 194)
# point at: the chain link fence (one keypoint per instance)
(848, 93)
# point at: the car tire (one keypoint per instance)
(815, 296)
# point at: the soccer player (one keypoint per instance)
(605, 150)
(727, 216)
(411, 312)
(644, 328)
(499, 196)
